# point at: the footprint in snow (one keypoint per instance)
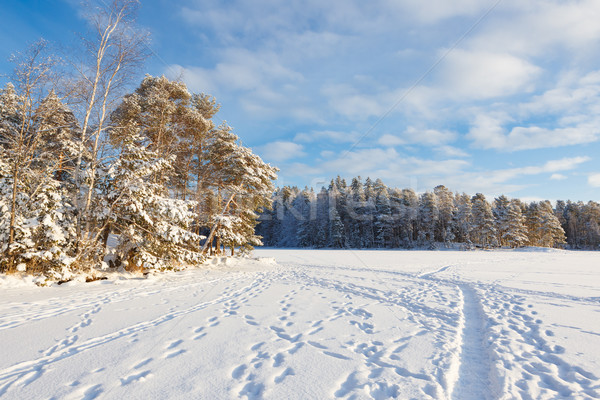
(174, 344)
(174, 354)
(139, 377)
(317, 345)
(238, 371)
(287, 372)
(336, 355)
(278, 360)
(257, 346)
(200, 331)
(142, 363)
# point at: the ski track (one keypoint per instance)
(486, 341)
(473, 364)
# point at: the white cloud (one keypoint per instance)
(525, 78)
(391, 140)
(451, 151)
(496, 182)
(413, 135)
(432, 11)
(594, 180)
(485, 75)
(542, 27)
(558, 177)
(241, 70)
(280, 151)
(332, 136)
(353, 104)
(488, 132)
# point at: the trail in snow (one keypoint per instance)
(317, 325)
(473, 380)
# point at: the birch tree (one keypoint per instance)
(113, 51)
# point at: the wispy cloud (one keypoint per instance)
(342, 85)
(280, 151)
(594, 180)
(332, 136)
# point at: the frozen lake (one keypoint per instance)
(315, 324)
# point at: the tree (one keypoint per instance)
(336, 229)
(113, 51)
(502, 219)
(243, 175)
(514, 231)
(307, 228)
(154, 229)
(482, 230)
(383, 219)
(446, 210)
(428, 217)
(543, 226)
(34, 230)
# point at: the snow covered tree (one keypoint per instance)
(246, 176)
(405, 209)
(483, 231)
(322, 219)
(383, 223)
(514, 231)
(154, 230)
(36, 212)
(163, 113)
(336, 229)
(463, 219)
(446, 210)
(428, 217)
(543, 226)
(112, 52)
(500, 211)
(306, 205)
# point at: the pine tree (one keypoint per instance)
(482, 230)
(446, 210)
(154, 230)
(550, 232)
(428, 217)
(463, 219)
(383, 220)
(307, 231)
(501, 217)
(336, 229)
(514, 231)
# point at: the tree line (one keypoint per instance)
(371, 215)
(92, 176)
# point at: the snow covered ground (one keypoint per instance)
(315, 324)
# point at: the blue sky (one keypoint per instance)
(481, 96)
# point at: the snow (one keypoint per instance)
(301, 324)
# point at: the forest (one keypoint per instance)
(96, 173)
(371, 215)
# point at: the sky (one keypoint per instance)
(490, 96)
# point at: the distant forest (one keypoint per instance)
(371, 215)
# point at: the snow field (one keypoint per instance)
(315, 324)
